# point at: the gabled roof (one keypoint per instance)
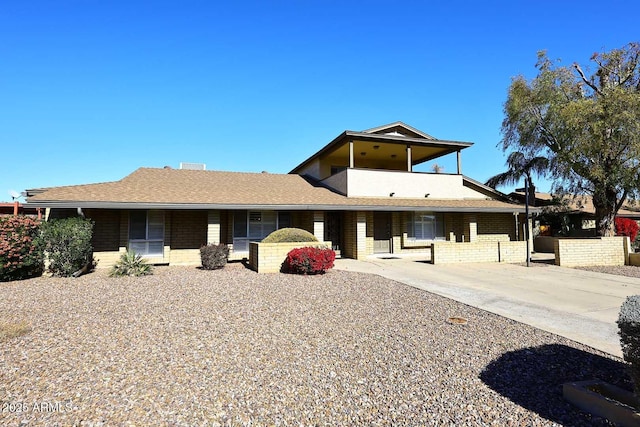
(394, 133)
(400, 128)
(149, 188)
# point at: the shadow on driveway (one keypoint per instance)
(533, 377)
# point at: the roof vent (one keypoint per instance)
(193, 166)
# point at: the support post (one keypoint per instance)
(409, 166)
(351, 162)
(459, 158)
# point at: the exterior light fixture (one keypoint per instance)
(363, 153)
(427, 195)
(375, 147)
(391, 194)
(393, 156)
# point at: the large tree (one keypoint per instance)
(586, 124)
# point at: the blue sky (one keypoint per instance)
(92, 90)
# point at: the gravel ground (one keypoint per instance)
(189, 347)
(620, 270)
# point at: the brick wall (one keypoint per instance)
(268, 257)
(106, 230)
(188, 229)
(481, 251)
(496, 226)
(592, 251)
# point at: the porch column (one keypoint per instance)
(213, 227)
(459, 162)
(361, 235)
(318, 225)
(470, 227)
(409, 167)
(351, 162)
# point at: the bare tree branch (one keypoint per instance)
(587, 82)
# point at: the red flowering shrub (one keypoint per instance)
(20, 257)
(626, 227)
(309, 260)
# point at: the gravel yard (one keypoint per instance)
(231, 347)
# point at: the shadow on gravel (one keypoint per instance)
(533, 377)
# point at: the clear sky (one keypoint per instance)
(92, 90)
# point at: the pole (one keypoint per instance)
(526, 214)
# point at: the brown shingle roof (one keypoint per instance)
(199, 189)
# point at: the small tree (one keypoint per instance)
(521, 166)
(67, 245)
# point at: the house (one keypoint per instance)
(359, 192)
(17, 208)
(572, 216)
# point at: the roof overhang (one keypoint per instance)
(422, 149)
(296, 207)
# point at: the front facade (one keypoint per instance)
(359, 192)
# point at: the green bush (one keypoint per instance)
(20, 256)
(213, 256)
(67, 245)
(130, 264)
(629, 325)
(289, 235)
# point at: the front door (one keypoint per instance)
(381, 232)
(333, 230)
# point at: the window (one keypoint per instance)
(255, 226)
(146, 232)
(426, 226)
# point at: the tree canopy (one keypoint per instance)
(586, 122)
(519, 166)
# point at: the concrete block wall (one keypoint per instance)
(443, 252)
(496, 226)
(592, 251)
(184, 257)
(268, 257)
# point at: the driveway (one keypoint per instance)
(579, 305)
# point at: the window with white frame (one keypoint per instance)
(426, 226)
(146, 232)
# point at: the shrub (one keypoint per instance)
(67, 245)
(130, 264)
(629, 325)
(309, 260)
(290, 235)
(20, 256)
(626, 227)
(213, 256)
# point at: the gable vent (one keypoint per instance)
(193, 166)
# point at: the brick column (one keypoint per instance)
(213, 227)
(470, 227)
(318, 225)
(361, 235)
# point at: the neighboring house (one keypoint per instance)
(17, 208)
(572, 216)
(359, 192)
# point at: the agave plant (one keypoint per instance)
(130, 264)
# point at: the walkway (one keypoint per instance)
(580, 305)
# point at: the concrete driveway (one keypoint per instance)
(580, 305)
